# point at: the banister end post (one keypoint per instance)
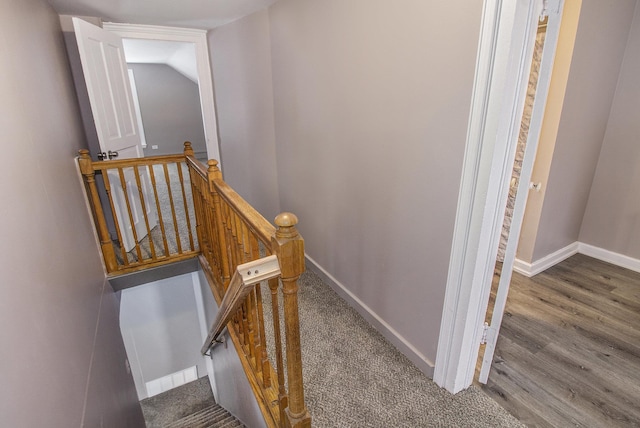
(85, 162)
(288, 245)
(108, 252)
(188, 150)
(213, 173)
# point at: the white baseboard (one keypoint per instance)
(531, 269)
(415, 356)
(609, 257)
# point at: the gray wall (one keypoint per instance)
(371, 110)
(599, 48)
(63, 360)
(241, 63)
(612, 218)
(170, 109)
(159, 324)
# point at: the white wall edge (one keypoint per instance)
(204, 329)
(416, 357)
(609, 256)
(531, 269)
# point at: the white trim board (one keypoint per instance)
(504, 60)
(531, 269)
(534, 268)
(389, 333)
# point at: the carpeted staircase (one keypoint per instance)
(209, 417)
(188, 406)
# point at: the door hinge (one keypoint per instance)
(485, 330)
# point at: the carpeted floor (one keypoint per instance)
(177, 403)
(355, 378)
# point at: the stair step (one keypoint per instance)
(213, 416)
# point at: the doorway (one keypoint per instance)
(184, 49)
(164, 80)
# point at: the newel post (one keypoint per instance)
(188, 150)
(86, 168)
(289, 247)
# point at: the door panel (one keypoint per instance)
(106, 76)
(107, 79)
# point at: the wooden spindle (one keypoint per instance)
(123, 184)
(116, 222)
(154, 185)
(277, 338)
(173, 208)
(289, 247)
(186, 206)
(143, 205)
(108, 252)
(261, 345)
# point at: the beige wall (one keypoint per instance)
(241, 63)
(62, 358)
(371, 113)
(612, 218)
(599, 48)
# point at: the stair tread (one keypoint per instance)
(214, 416)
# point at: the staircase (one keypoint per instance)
(188, 406)
(210, 417)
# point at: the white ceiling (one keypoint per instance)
(180, 56)
(203, 14)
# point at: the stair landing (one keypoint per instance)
(191, 405)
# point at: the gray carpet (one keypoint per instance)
(188, 406)
(170, 406)
(355, 378)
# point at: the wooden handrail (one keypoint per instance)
(246, 276)
(232, 233)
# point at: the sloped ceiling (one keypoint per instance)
(203, 14)
(180, 56)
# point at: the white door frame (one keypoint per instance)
(205, 80)
(505, 49)
(535, 126)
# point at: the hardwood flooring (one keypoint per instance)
(569, 347)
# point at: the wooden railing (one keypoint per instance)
(158, 210)
(143, 210)
(232, 233)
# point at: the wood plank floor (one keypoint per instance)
(569, 347)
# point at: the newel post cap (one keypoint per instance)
(286, 220)
(286, 223)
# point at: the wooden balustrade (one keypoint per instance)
(149, 212)
(142, 209)
(232, 233)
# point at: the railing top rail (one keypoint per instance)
(197, 166)
(263, 230)
(124, 163)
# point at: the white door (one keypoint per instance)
(107, 80)
(554, 12)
